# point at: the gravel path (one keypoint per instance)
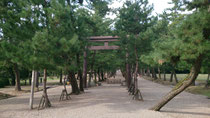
(109, 101)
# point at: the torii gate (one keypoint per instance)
(106, 40)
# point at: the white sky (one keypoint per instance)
(159, 6)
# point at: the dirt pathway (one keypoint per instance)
(109, 101)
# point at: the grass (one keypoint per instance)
(201, 77)
(52, 80)
(199, 90)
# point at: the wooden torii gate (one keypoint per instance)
(106, 46)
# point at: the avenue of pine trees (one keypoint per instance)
(50, 36)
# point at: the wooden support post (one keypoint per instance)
(84, 73)
(32, 90)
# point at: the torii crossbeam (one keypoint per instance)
(106, 40)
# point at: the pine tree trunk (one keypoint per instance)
(84, 73)
(11, 71)
(102, 76)
(61, 76)
(144, 72)
(47, 101)
(207, 81)
(180, 86)
(37, 79)
(164, 75)
(99, 78)
(159, 72)
(128, 71)
(81, 83)
(95, 75)
(89, 81)
(17, 78)
(29, 81)
(135, 73)
(73, 81)
(92, 64)
(154, 73)
(175, 76)
(171, 78)
(148, 74)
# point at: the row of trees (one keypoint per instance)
(52, 35)
(171, 41)
(49, 36)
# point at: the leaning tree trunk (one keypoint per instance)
(74, 85)
(17, 78)
(181, 86)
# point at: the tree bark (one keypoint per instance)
(207, 81)
(91, 73)
(159, 72)
(154, 74)
(29, 81)
(180, 86)
(81, 87)
(47, 101)
(99, 78)
(136, 70)
(84, 73)
(102, 75)
(73, 81)
(164, 76)
(95, 75)
(17, 78)
(143, 72)
(148, 72)
(11, 71)
(37, 79)
(61, 76)
(128, 71)
(175, 76)
(171, 78)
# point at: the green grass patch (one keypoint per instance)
(199, 90)
(201, 77)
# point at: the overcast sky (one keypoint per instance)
(159, 5)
